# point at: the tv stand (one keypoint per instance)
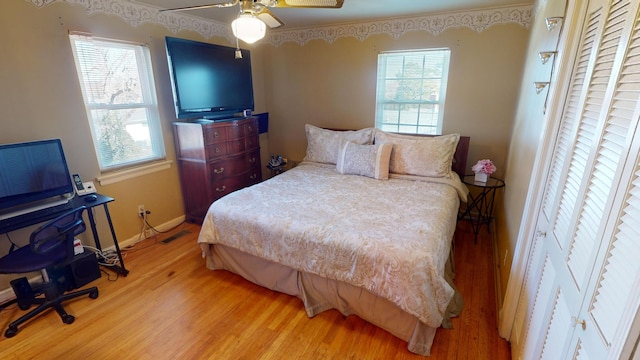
(214, 159)
(28, 219)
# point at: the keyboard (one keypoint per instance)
(35, 216)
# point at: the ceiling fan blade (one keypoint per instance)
(221, 5)
(310, 3)
(269, 18)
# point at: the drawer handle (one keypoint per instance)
(218, 171)
(215, 134)
(252, 160)
(217, 150)
(253, 176)
(221, 189)
(250, 128)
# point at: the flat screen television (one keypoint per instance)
(208, 80)
(33, 175)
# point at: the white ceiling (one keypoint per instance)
(351, 11)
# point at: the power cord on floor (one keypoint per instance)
(106, 257)
(109, 277)
(146, 226)
(161, 232)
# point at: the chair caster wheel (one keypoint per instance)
(68, 319)
(93, 294)
(24, 307)
(11, 332)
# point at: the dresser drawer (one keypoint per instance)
(229, 167)
(221, 149)
(251, 128)
(236, 146)
(252, 142)
(255, 169)
(224, 186)
(254, 176)
(253, 159)
(214, 134)
(235, 130)
(216, 150)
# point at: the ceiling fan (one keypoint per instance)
(250, 25)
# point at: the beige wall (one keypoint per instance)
(326, 84)
(333, 85)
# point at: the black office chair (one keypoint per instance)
(51, 246)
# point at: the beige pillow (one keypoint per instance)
(366, 160)
(420, 155)
(323, 145)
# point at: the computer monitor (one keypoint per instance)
(33, 175)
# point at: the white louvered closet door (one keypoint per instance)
(580, 275)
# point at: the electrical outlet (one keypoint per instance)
(141, 211)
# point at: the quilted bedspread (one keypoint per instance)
(390, 237)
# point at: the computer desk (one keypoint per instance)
(76, 201)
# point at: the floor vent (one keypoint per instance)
(175, 236)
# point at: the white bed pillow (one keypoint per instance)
(323, 145)
(420, 155)
(366, 160)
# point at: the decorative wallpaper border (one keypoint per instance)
(477, 20)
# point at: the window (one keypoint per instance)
(119, 95)
(411, 90)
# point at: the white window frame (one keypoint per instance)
(413, 114)
(146, 107)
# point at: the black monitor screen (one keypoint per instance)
(32, 171)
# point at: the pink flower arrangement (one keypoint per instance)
(484, 166)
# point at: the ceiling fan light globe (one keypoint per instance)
(248, 28)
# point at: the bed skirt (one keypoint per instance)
(319, 294)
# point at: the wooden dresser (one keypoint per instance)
(214, 159)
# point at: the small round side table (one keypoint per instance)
(479, 208)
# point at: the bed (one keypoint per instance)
(363, 225)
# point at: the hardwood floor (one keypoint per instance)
(171, 307)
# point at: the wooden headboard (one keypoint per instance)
(459, 164)
(460, 156)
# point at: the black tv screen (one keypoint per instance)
(208, 80)
(32, 172)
